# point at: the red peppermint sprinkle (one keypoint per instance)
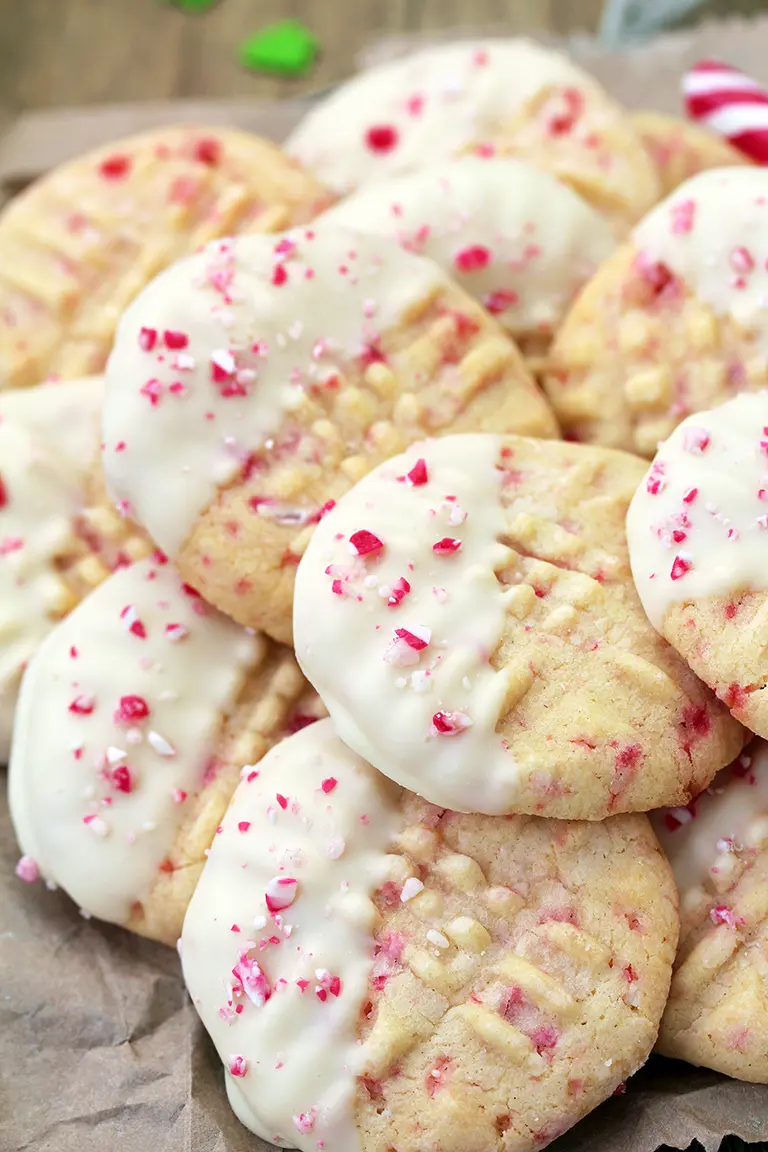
(208, 151)
(3, 494)
(279, 275)
(418, 643)
(222, 366)
(696, 440)
(153, 390)
(243, 825)
(722, 914)
(381, 138)
(741, 260)
(83, 705)
(500, 300)
(281, 892)
(282, 800)
(400, 590)
(682, 216)
(176, 632)
(690, 495)
(451, 723)
(115, 167)
(329, 784)
(365, 543)
(418, 474)
(238, 1066)
(121, 779)
(147, 339)
(27, 870)
(130, 710)
(447, 546)
(473, 258)
(175, 340)
(680, 566)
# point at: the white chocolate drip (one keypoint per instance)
(285, 1022)
(421, 705)
(515, 238)
(214, 355)
(117, 720)
(698, 524)
(713, 233)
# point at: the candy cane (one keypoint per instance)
(731, 104)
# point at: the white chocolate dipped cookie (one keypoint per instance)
(672, 324)
(253, 383)
(513, 95)
(717, 1014)
(698, 540)
(77, 246)
(134, 721)
(468, 617)
(511, 235)
(377, 973)
(53, 547)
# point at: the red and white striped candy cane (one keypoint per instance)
(731, 104)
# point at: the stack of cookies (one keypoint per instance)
(359, 642)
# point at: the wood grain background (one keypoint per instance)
(63, 52)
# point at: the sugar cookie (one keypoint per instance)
(77, 246)
(513, 237)
(379, 973)
(680, 149)
(698, 541)
(468, 617)
(718, 849)
(253, 383)
(134, 721)
(675, 322)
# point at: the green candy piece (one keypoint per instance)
(287, 49)
(193, 5)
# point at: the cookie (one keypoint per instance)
(77, 246)
(517, 240)
(674, 322)
(468, 617)
(53, 548)
(253, 383)
(134, 721)
(718, 848)
(378, 973)
(679, 149)
(698, 531)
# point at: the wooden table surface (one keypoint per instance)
(64, 52)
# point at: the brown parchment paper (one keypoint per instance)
(100, 1049)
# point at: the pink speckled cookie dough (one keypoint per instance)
(252, 384)
(492, 96)
(511, 235)
(698, 541)
(672, 324)
(135, 718)
(377, 973)
(717, 1013)
(467, 614)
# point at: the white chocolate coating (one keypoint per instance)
(698, 524)
(515, 238)
(386, 693)
(319, 819)
(425, 107)
(726, 824)
(48, 444)
(713, 233)
(212, 356)
(118, 715)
